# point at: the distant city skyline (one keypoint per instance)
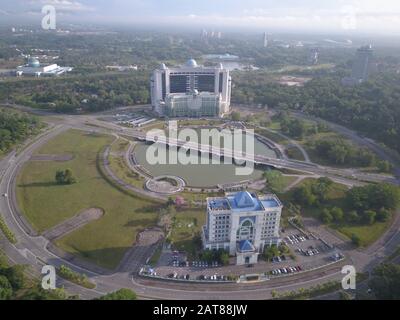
(288, 15)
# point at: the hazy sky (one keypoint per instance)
(300, 15)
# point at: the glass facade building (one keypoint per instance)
(191, 91)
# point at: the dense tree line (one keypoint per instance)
(15, 127)
(371, 108)
(80, 94)
(340, 151)
(385, 281)
(15, 285)
(362, 205)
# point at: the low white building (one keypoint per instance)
(242, 223)
(35, 69)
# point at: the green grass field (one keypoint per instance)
(46, 204)
(367, 234)
(294, 153)
(185, 226)
(120, 167)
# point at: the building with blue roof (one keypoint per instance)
(242, 223)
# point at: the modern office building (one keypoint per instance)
(242, 223)
(191, 90)
(362, 66)
(34, 68)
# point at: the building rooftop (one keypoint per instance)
(191, 63)
(244, 201)
(270, 203)
(218, 204)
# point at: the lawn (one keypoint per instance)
(367, 233)
(119, 166)
(46, 204)
(185, 226)
(294, 153)
(271, 135)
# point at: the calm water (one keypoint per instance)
(201, 175)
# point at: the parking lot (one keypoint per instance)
(308, 253)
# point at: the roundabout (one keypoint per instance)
(165, 184)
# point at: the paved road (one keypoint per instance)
(32, 249)
(73, 223)
(369, 143)
(292, 142)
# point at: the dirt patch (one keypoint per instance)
(52, 157)
(149, 237)
(73, 223)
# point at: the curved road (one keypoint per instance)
(32, 250)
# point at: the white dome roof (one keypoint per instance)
(191, 63)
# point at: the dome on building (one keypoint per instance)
(33, 62)
(220, 66)
(163, 66)
(191, 63)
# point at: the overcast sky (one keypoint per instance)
(295, 15)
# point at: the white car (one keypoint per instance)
(5, 195)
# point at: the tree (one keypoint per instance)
(60, 177)
(274, 180)
(303, 195)
(326, 216)
(383, 215)
(6, 290)
(235, 116)
(121, 294)
(337, 214)
(321, 188)
(385, 195)
(355, 240)
(385, 282)
(170, 201)
(15, 276)
(353, 217)
(384, 166)
(270, 252)
(68, 177)
(368, 217)
(224, 258)
(374, 196)
(65, 177)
